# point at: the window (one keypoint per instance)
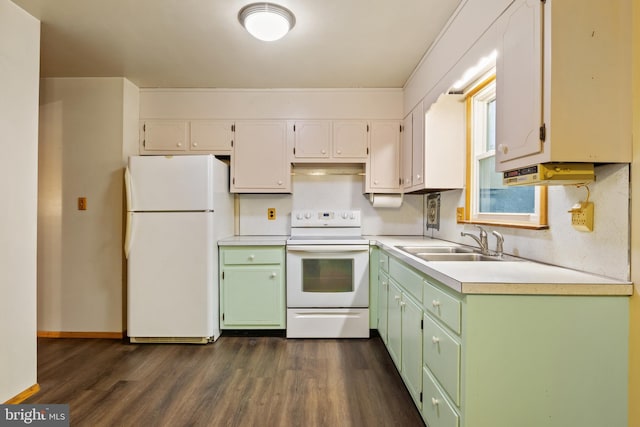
(488, 201)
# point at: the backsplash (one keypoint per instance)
(604, 251)
(332, 192)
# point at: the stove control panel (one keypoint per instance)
(311, 218)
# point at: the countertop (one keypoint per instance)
(253, 241)
(507, 277)
(515, 277)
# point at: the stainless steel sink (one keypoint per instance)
(426, 250)
(457, 257)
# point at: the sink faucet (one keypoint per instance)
(482, 240)
(499, 242)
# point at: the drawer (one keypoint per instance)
(443, 306)
(442, 356)
(436, 409)
(384, 262)
(252, 255)
(408, 278)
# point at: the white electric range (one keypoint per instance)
(327, 275)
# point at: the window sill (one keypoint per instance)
(506, 224)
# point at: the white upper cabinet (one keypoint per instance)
(312, 139)
(413, 150)
(260, 163)
(211, 135)
(186, 137)
(164, 136)
(445, 144)
(383, 166)
(351, 139)
(433, 146)
(563, 79)
(330, 141)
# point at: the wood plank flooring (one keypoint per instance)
(236, 381)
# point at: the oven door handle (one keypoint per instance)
(327, 248)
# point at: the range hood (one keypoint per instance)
(550, 174)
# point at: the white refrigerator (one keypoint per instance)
(177, 209)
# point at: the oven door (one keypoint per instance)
(327, 276)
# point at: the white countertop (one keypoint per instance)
(502, 277)
(521, 277)
(253, 241)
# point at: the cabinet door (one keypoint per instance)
(394, 324)
(312, 139)
(383, 305)
(350, 139)
(383, 166)
(407, 152)
(211, 135)
(411, 353)
(519, 82)
(260, 162)
(417, 146)
(164, 135)
(253, 296)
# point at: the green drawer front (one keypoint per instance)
(408, 278)
(253, 255)
(384, 262)
(442, 356)
(436, 409)
(443, 306)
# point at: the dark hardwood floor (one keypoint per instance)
(236, 381)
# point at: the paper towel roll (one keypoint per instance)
(386, 200)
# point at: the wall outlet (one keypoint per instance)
(271, 214)
(82, 203)
(582, 216)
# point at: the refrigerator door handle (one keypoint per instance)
(127, 235)
(127, 187)
(127, 232)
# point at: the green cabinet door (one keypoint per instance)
(383, 305)
(394, 324)
(253, 296)
(411, 352)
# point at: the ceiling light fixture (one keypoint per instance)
(266, 21)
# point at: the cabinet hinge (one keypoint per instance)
(294, 128)
(233, 128)
(420, 396)
(294, 151)
(232, 143)
(401, 128)
(399, 181)
(223, 275)
(421, 321)
(543, 132)
(144, 143)
(234, 181)
(367, 128)
(144, 127)
(223, 321)
(367, 151)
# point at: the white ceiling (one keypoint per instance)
(199, 43)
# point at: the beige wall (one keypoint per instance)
(634, 330)
(19, 69)
(87, 128)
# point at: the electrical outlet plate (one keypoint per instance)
(271, 214)
(582, 216)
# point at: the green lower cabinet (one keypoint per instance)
(252, 290)
(383, 305)
(510, 360)
(394, 324)
(411, 353)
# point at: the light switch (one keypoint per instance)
(82, 203)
